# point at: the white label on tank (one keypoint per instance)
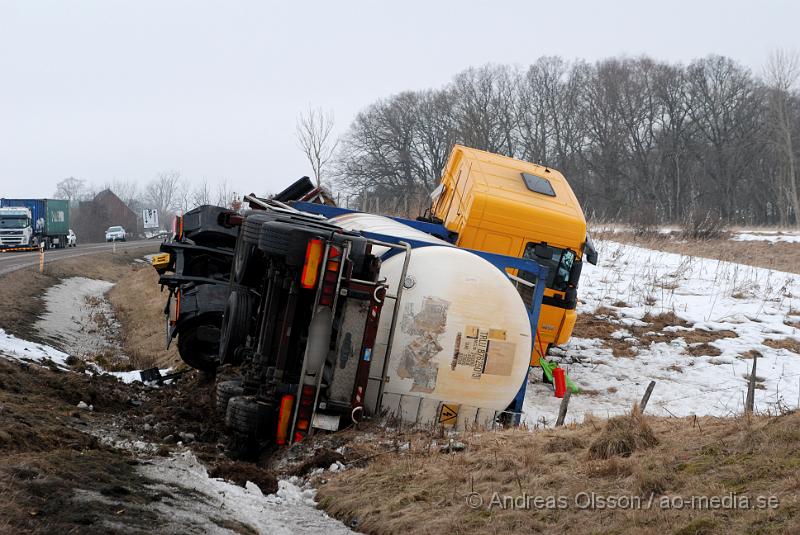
(485, 351)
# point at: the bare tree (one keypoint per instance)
(71, 189)
(163, 194)
(202, 193)
(781, 73)
(314, 133)
(225, 197)
(635, 137)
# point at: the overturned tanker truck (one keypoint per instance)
(330, 320)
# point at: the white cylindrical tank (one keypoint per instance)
(462, 336)
(383, 225)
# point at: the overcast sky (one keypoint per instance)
(105, 90)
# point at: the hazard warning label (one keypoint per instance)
(448, 414)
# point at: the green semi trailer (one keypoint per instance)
(29, 223)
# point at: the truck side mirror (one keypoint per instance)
(589, 252)
(575, 273)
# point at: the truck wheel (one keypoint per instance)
(235, 323)
(246, 416)
(198, 347)
(225, 391)
(285, 240)
(241, 259)
(251, 228)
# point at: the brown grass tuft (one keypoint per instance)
(664, 319)
(622, 436)
(790, 344)
(703, 350)
(594, 326)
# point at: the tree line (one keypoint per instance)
(641, 141)
(169, 193)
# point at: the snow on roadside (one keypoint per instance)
(769, 236)
(711, 295)
(24, 351)
(200, 503)
(81, 321)
(133, 376)
(78, 318)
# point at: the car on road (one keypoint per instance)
(115, 234)
(72, 239)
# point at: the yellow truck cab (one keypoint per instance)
(502, 205)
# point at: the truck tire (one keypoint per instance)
(251, 228)
(225, 391)
(235, 323)
(286, 240)
(241, 260)
(196, 346)
(247, 417)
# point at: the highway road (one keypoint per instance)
(12, 261)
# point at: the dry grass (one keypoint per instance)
(703, 350)
(790, 344)
(779, 256)
(622, 436)
(663, 319)
(696, 336)
(138, 304)
(605, 321)
(421, 490)
(595, 325)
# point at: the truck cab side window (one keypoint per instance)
(559, 261)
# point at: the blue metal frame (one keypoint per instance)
(440, 231)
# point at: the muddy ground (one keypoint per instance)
(109, 467)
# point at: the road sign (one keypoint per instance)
(150, 218)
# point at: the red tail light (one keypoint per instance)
(284, 418)
(176, 310)
(304, 411)
(331, 276)
(314, 251)
(177, 227)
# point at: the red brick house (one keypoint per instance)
(92, 218)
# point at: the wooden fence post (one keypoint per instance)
(751, 388)
(646, 396)
(562, 409)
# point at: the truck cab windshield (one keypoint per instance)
(13, 222)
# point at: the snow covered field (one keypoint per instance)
(755, 304)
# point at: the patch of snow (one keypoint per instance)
(133, 376)
(22, 350)
(768, 236)
(708, 295)
(78, 319)
(197, 498)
